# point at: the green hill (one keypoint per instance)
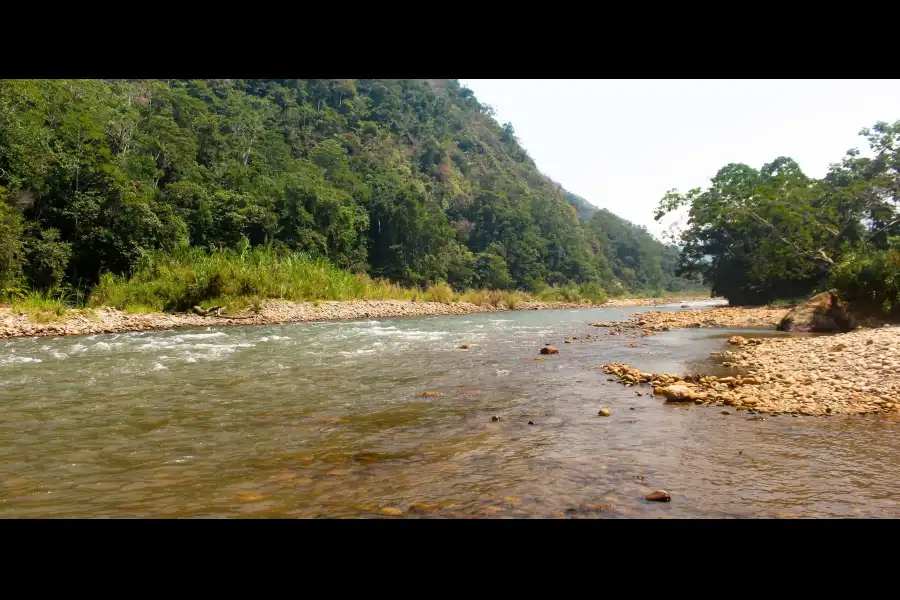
(409, 180)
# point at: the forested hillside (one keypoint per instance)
(409, 180)
(635, 260)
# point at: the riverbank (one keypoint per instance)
(849, 373)
(110, 320)
(719, 316)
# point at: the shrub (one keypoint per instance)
(440, 292)
(871, 279)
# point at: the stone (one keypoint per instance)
(823, 313)
(430, 394)
(250, 497)
(465, 347)
(603, 412)
(495, 418)
(658, 496)
(393, 512)
(678, 393)
(725, 412)
(531, 422)
(737, 340)
(549, 350)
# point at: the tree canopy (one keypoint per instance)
(757, 235)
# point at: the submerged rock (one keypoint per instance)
(430, 394)
(549, 350)
(603, 412)
(465, 347)
(658, 496)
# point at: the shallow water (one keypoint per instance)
(324, 419)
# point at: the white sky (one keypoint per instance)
(622, 144)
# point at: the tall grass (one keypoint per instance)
(585, 292)
(44, 306)
(239, 278)
(192, 276)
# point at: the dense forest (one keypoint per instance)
(637, 261)
(412, 181)
(760, 235)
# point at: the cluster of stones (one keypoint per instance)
(853, 373)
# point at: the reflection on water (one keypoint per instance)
(326, 420)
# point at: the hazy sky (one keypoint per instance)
(621, 144)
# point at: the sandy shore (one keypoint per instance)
(110, 320)
(720, 316)
(849, 373)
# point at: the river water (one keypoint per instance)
(326, 420)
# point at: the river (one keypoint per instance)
(326, 420)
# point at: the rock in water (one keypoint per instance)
(430, 394)
(465, 346)
(495, 418)
(823, 313)
(603, 412)
(549, 350)
(658, 496)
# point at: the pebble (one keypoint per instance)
(603, 412)
(495, 418)
(549, 350)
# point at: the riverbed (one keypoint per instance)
(327, 420)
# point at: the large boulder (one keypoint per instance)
(823, 313)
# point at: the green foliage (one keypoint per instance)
(192, 276)
(11, 250)
(440, 292)
(761, 235)
(627, 256)
(47, 259)
(588, 292)
(407, 180)
(43, 306)
(872, 278)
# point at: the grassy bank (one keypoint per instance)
(246, 280)
(189, 277)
